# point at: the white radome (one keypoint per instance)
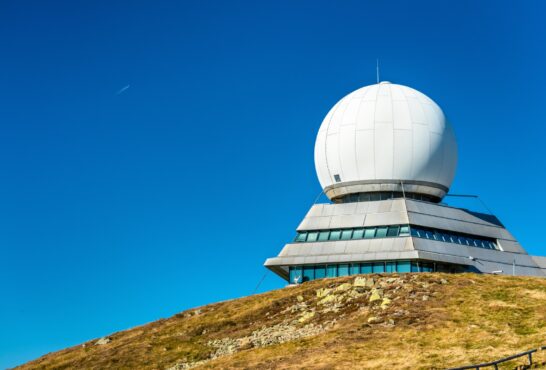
(383, 135)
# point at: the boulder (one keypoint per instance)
(103, 341)
(343, 287)
(376, 295)
(323, 292)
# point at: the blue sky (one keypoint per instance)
(120, 209)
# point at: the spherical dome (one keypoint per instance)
(382, 136)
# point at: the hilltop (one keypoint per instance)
(395, 321)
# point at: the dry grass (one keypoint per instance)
(471, 319)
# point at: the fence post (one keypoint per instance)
(530, 358)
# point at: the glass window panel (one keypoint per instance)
(414, 267)
(365, 268)
(308, 273)
(391, 266)
(375, 196)
(331, 271)
(404, 230)
(428, 234)
(378, 267)
(323, 235)
(335, 235)
(492, 245)
(393, 230)
(346, 234)
(414, 232)
(369, 233)
(453, 238)
(301, 237)
(381, 232)
(437, 236)
(320, 272)
(312, 236)
(426, 267)
(358, 233)
(403, 266)
(343, 270)
(364, 197)
(295, 274)
(355, 269)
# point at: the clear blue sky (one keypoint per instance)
(120, 209)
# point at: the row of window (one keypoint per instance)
(450, 237)
(383, 195)
(299, 274)
(357, 233)
(393, 231)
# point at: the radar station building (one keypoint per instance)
(385, 156)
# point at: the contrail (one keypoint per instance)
(123, 89)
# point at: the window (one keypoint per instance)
(378, 267)
(404, 230)
(415, 232)
(358, 233)
(335, 235)
(391, 267)
(403, 266)
(323, 236)
(369, 233)
(414, 267)
(346, 234)
(331, 271)
(355, 269)
(295, 275)
(301, 237)
(393, 231)
(381, 232)
(429, 234)
(427, 267)
(308, 273)
(343, 270)
(320, 272)
(365, 268)
(337, 178)
(312, 236)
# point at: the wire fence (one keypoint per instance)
(495, 364)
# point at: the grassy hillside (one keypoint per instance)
(370, 321)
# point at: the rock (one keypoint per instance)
(374, 320)
(425, 298)
(443, 281)
(391, 322)
(323, 292)
(103, 341)
(370, 282)
(355, 294)
(385, 303)
(343, 287)
(328, 299)
(306, 316)
(391, 280)
(376, 295)
(299, 298)
(360, 282)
